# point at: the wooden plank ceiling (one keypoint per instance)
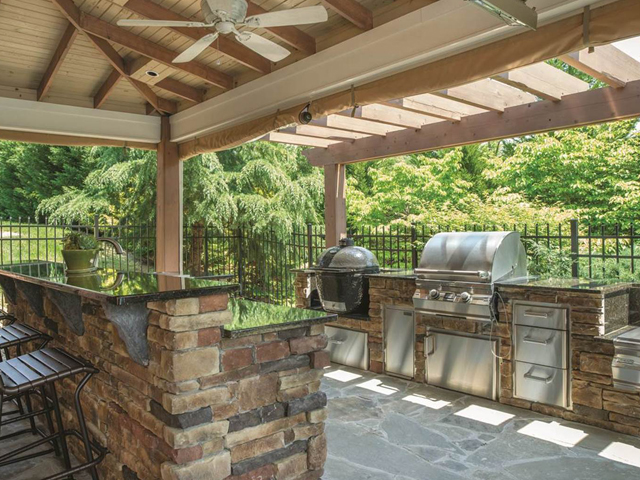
(499, 107)
(72, 52)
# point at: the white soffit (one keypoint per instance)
(442, 29)
(53, 119)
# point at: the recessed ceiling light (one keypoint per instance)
(511, 12)
(151, 73)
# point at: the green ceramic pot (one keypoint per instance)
(81, 261)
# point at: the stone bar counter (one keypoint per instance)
(193, 385)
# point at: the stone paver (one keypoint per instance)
(385, 428)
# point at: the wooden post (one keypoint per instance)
(335, 206)
(169, 204)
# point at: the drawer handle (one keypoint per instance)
(531, 376)
(530, 313)
(529, 339)
(334, 341)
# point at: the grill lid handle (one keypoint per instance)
(475, 273)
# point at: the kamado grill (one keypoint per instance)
(341, 277)
(457, 272)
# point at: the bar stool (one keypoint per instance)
(42, 369)
(6, 318)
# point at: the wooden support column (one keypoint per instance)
(168, 204)
(335, 205)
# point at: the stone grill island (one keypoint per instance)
(193, 385)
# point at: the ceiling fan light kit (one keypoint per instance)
(226, 15)
(514, 13)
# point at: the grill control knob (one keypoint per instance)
(465, 297)
(434, 294)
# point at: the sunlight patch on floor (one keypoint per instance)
(342, 376)
(623, 453)
(426, 402)
(554, 432)
(378, 387)
(484, 415)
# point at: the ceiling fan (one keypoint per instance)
(226, 15)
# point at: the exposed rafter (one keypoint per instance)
(394, 116)
(181, 89)
(358, 125)
(354, 12)
(107, 87)
(544, 81)
(414, 104)
(64, 45)
(290, 35)
(585, 108)
(225, 45)
(607, 64)
(291, 139)
(488, 94)
(328, 133)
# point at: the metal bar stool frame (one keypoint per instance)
(94, 453)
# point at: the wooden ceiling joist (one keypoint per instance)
(544, 81)
(415, 105)
(488, 94)
(301, 140)
(586, 108)
(292, 36)
(328, 133)
(358, 125)
(64, 45)
(225, 45)
(393, 116)
(106, 88)
(181, 89)
(607, 64)
(360, 16)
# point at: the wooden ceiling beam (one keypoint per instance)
(360, 16)
(544, 81)
(181, 89)
(394, 116)
(586, 108)
(59, 55)
(115, 34)
(106, 88)
(328, 133)
(224, 45)
(488, 94)
(292, 36)
(607, 64)
(358, 125)
(291, 139)
(413, 105)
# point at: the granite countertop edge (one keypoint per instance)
(245, 332)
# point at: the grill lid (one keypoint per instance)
(347, 258)
(473, 257)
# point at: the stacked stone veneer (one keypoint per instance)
(595, 400)
(206, 407)
(382, 291)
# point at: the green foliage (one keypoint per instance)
(79, 241)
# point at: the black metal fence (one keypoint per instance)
(262, 262)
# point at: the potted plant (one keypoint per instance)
(80, 253)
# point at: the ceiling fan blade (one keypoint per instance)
(158, 23)
(294, 16)
(268, 49)
(196, 49)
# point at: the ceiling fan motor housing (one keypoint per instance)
(234, 11)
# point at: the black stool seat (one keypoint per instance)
(19, 333)
(34, 369)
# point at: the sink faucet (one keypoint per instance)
(116, 245)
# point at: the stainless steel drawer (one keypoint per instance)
(541, 346)
(626, 372)
(348, 347)
(541, 384)
(540, 315)
(399, 341)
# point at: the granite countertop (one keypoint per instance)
(252, 318)
(394, 273)
(604, 286)
(119, 288)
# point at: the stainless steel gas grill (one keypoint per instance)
(457, 272)
(455, 279)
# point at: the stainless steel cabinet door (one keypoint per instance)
(399, 339)
(348, 347)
